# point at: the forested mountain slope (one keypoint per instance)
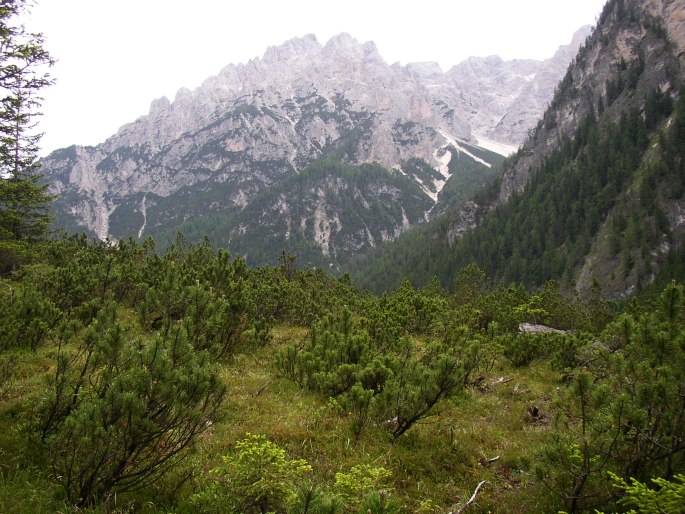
(596, 193)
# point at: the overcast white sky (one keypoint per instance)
(115, 57)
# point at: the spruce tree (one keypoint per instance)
(24, 200)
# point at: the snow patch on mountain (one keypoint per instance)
(494, 146)
(143, 211)
(443, 157)
(453, 141)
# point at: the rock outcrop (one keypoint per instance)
(506, 98)
(630, 38)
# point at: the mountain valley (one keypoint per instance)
(593, 198)
(208, 163)
(322, 284)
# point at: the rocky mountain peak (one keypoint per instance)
(342, 42)
(296, 48)
(426, 70)
(346, 48)
(371, 49)
(477, 64)
(565, 53)
(507, 97)
(256, 124)
(159, 105)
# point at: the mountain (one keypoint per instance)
(505, 99)
(211, 161)
(595, 196)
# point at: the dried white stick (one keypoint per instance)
(475, 493)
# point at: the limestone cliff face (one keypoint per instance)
(672, 12)
(632, 36)
(506, 98)
(256, 124)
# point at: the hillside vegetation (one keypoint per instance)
(595, 192)
(610, 192)
(177, 379)
(187, 382)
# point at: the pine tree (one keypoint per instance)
(122, 411)
(24, 201)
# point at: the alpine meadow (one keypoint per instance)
(322, 284)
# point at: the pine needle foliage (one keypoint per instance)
(24, 200)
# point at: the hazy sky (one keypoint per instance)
(115, 57)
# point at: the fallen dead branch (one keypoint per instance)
(473, 497)
(261, 389)
(486, 462)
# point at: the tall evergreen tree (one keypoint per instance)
(24, 200)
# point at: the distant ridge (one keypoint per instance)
(198, 163)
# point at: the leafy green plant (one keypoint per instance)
(417, 385)
(24, 201)
(358, 403)
(8, 365)
(532, 311)
(522, 349)
(259, 478)
(331, 359)
(312, 499)
(649, 374)
(356, 487)
(213, 323)
(259, 334)
(582, 447)
(381, 502)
